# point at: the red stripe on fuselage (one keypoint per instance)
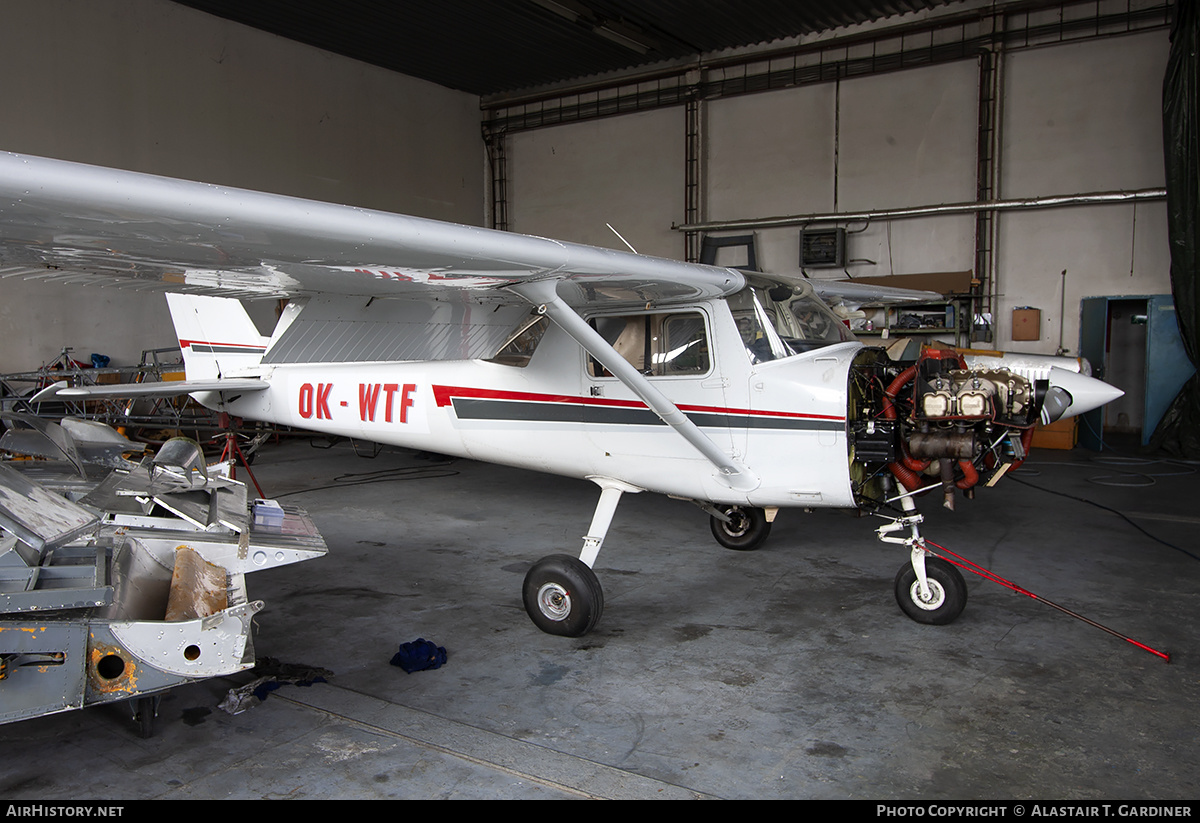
(444, 394)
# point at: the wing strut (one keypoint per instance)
(543, 294)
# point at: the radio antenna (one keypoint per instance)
(622, 239)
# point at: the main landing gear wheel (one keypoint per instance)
(563, 596)
(947, 592)
(746, 530)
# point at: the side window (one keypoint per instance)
(685, 345)
(520, 347)
(657, 345)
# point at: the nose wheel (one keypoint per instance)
(563, 596)
(929, 589)
(947, 595)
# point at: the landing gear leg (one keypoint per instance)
(928, 589)
(561, 593)
(145, 710)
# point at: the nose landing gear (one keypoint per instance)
(929, 589)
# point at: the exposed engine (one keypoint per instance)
(933, 422)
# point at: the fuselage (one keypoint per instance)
(557, 411)
(781, 405)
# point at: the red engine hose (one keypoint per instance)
(889, 394)
(913, 464)
(908, 468)
(970, 476)
(907, 477)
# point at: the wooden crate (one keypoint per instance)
(1061, 434)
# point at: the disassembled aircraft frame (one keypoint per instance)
(122, 586)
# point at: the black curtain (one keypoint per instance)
(1179, 431)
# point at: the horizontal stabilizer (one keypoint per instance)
(169, 388)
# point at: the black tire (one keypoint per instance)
(563, 596)
(946, 585)
(747, 530)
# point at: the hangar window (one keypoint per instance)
(657, 345)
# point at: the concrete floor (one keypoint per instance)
(783, 673)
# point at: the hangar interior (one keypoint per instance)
(782, 673)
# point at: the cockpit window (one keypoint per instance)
(657, 345)
(777, 320)
(519, 347)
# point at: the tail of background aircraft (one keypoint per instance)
(216, 335)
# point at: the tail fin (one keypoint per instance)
(216, 335)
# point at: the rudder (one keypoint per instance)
(216, 335)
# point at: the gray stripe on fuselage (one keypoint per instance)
(470, 408)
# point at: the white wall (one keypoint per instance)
(1075, 118)
(885, 141)
(567, 182)
(770, 154)
(153, 86)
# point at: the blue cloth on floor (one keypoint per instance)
(419, 655)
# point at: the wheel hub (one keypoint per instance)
(937, 595)
(738, 523)
(554, 601)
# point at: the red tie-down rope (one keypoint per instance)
(964, 563)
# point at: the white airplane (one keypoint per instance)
(740, 392)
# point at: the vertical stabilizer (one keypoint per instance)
(216, 335)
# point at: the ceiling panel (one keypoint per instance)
(492, 46)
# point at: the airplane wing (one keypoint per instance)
(85, 224)
(857, 294)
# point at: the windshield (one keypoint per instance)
(780, 320)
